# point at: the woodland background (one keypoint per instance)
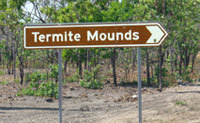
(171, 63)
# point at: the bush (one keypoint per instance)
(1, 73)
(187, 78)
(35, 77)
(73, 78)
(166, 80)
(28, 77)
(54, 72)
(181, 103)
(91, 79)
(3, 82)
(48, 89)
(17, 81)
(92, 84)
(38, 87)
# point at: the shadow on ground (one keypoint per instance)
(28, 108)
(183, 92)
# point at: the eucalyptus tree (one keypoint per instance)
(117, 12)
(11, 16)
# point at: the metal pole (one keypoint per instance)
(60, 83)
(139, 86)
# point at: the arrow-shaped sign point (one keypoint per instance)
(156, 34)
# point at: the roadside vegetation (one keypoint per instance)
(172, 63)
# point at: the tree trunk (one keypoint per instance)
(0, 58)
(21, 73)
(193, 60)
(171, 60)
(160, 70)
(134, 59)
(79, 64)
(175, 62)
(152, 71)
(21, 68)
(180, 65)
(14, 61)
(8, 67)
(21, 65)
(65, 66)
(187, 60)
(86, 60)
(3, 63)
(147, 68)
(113, 61)
(8, 54)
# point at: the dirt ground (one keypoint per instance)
(179, 104)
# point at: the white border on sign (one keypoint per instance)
(94, 25)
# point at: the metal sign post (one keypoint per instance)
(139, 86)
(60, 83)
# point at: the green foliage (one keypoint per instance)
(28, 77)
(54, 71)
(2, 73)
(38, 76)
(91, 80)
(47, 89)
(181, 103)
(163, 72)
(94, 84)
(26, 91)
(38, 87)
(35, 77)
(17, 81)
(180, 17)
(74, 78)
(118, 11)
(3, 82)
(186, 77)
(69, 54)
(165, 80)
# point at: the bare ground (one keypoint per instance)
(179, 104)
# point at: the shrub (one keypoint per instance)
(17, 81)
(3, 82)
(35, 77)
(73, 78)
(181, 103)
(48, 89)
(91, 79)
(28, 77)
(95, 84)
(1, 73)
(54, 72)
(38, 87)
(187, 78)
(166, 80)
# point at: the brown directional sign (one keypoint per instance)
(93, 35)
